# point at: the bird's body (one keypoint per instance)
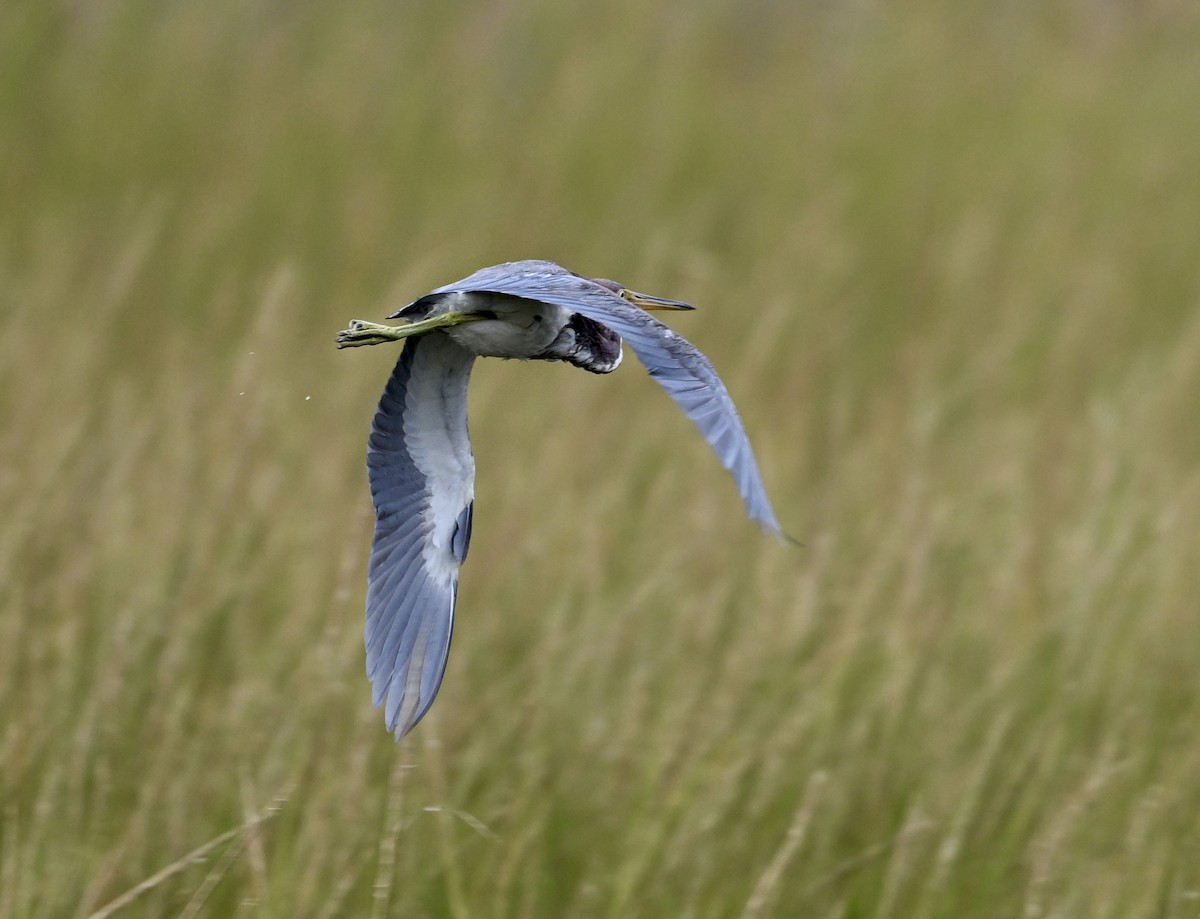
(419, 457)
(522, 329)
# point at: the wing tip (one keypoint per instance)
(785, 537)
(401, 728)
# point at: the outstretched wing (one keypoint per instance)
(422, 482)
(674, 362)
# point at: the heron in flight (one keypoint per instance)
(419, 456)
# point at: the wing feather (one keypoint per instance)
(422, 481)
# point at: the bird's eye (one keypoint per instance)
(625, 293)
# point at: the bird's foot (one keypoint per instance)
(361, 333)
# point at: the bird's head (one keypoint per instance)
(645, 301)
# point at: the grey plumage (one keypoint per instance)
(419, 457)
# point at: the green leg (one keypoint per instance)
(361, 333)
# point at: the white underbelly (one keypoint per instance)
(522, 329)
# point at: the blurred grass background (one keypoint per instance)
(946, 256)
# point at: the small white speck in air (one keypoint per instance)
(308, 398)
(241, 394)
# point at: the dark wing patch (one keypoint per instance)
(462, 533)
